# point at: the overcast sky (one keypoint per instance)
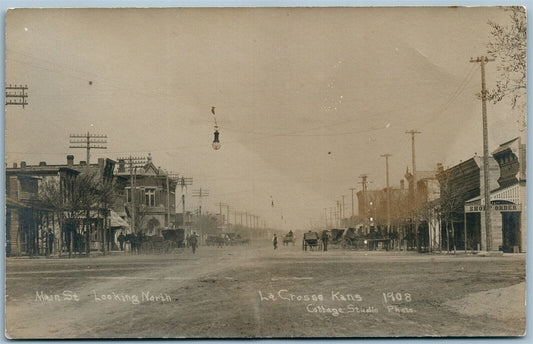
(306, 99)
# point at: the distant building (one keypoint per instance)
(372, 211)
(424, 226)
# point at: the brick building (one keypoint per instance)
(33, 227)
(154, 197)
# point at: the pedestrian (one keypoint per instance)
(193, 241)
(275, 241)
(121, 238)
(325, 239)
(50, 240)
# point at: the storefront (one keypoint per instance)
(507, 215)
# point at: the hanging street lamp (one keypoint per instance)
(216, 143)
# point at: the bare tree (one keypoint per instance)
(88, 196)
(449, 203)
(508, 46)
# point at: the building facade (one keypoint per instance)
(40, 207)
(148, 195)
(508, 229)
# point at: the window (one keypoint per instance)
(128, 195)
(149, 195)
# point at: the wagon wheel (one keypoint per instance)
(171, 245)
(344, 244)
(144, 247)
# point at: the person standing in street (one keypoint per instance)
(275, 241)
(121, 238)
(193, 241)
(325, 239)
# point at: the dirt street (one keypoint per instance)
(254, 291)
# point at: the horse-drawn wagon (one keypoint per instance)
(311, 240)
(174, 237)
(219, 240)
(165, 243)
(289, 238)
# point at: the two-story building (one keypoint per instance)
(34, 226)
(148, 196)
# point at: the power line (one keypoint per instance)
(88, 141)
(16, 95)
(200, 193)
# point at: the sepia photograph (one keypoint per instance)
(265, 172)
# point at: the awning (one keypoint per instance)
(117, 221)
(510, 194)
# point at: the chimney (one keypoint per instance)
(121, 165)
(23, 164)
(15, 165)
(402, 184)
(42, 163)
(70, 160)
(83, 163)
(440, 169)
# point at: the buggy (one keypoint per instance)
(236, 239)
(174, 238)
(311, 240)
(289, 238)
(218, 240)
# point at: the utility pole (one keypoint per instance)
(343, 208)
(227, 216)
(364, 182)
(200, 193)
(352, 189)
(337, 213)
(88, 141)
(170, 177)
(184, 182)
(220, 212)
(326, 216)
(168, 201)
(415, 217)
(133, 163)
(486, 187)
(16, 95)
(386, 156)
(413, 133)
